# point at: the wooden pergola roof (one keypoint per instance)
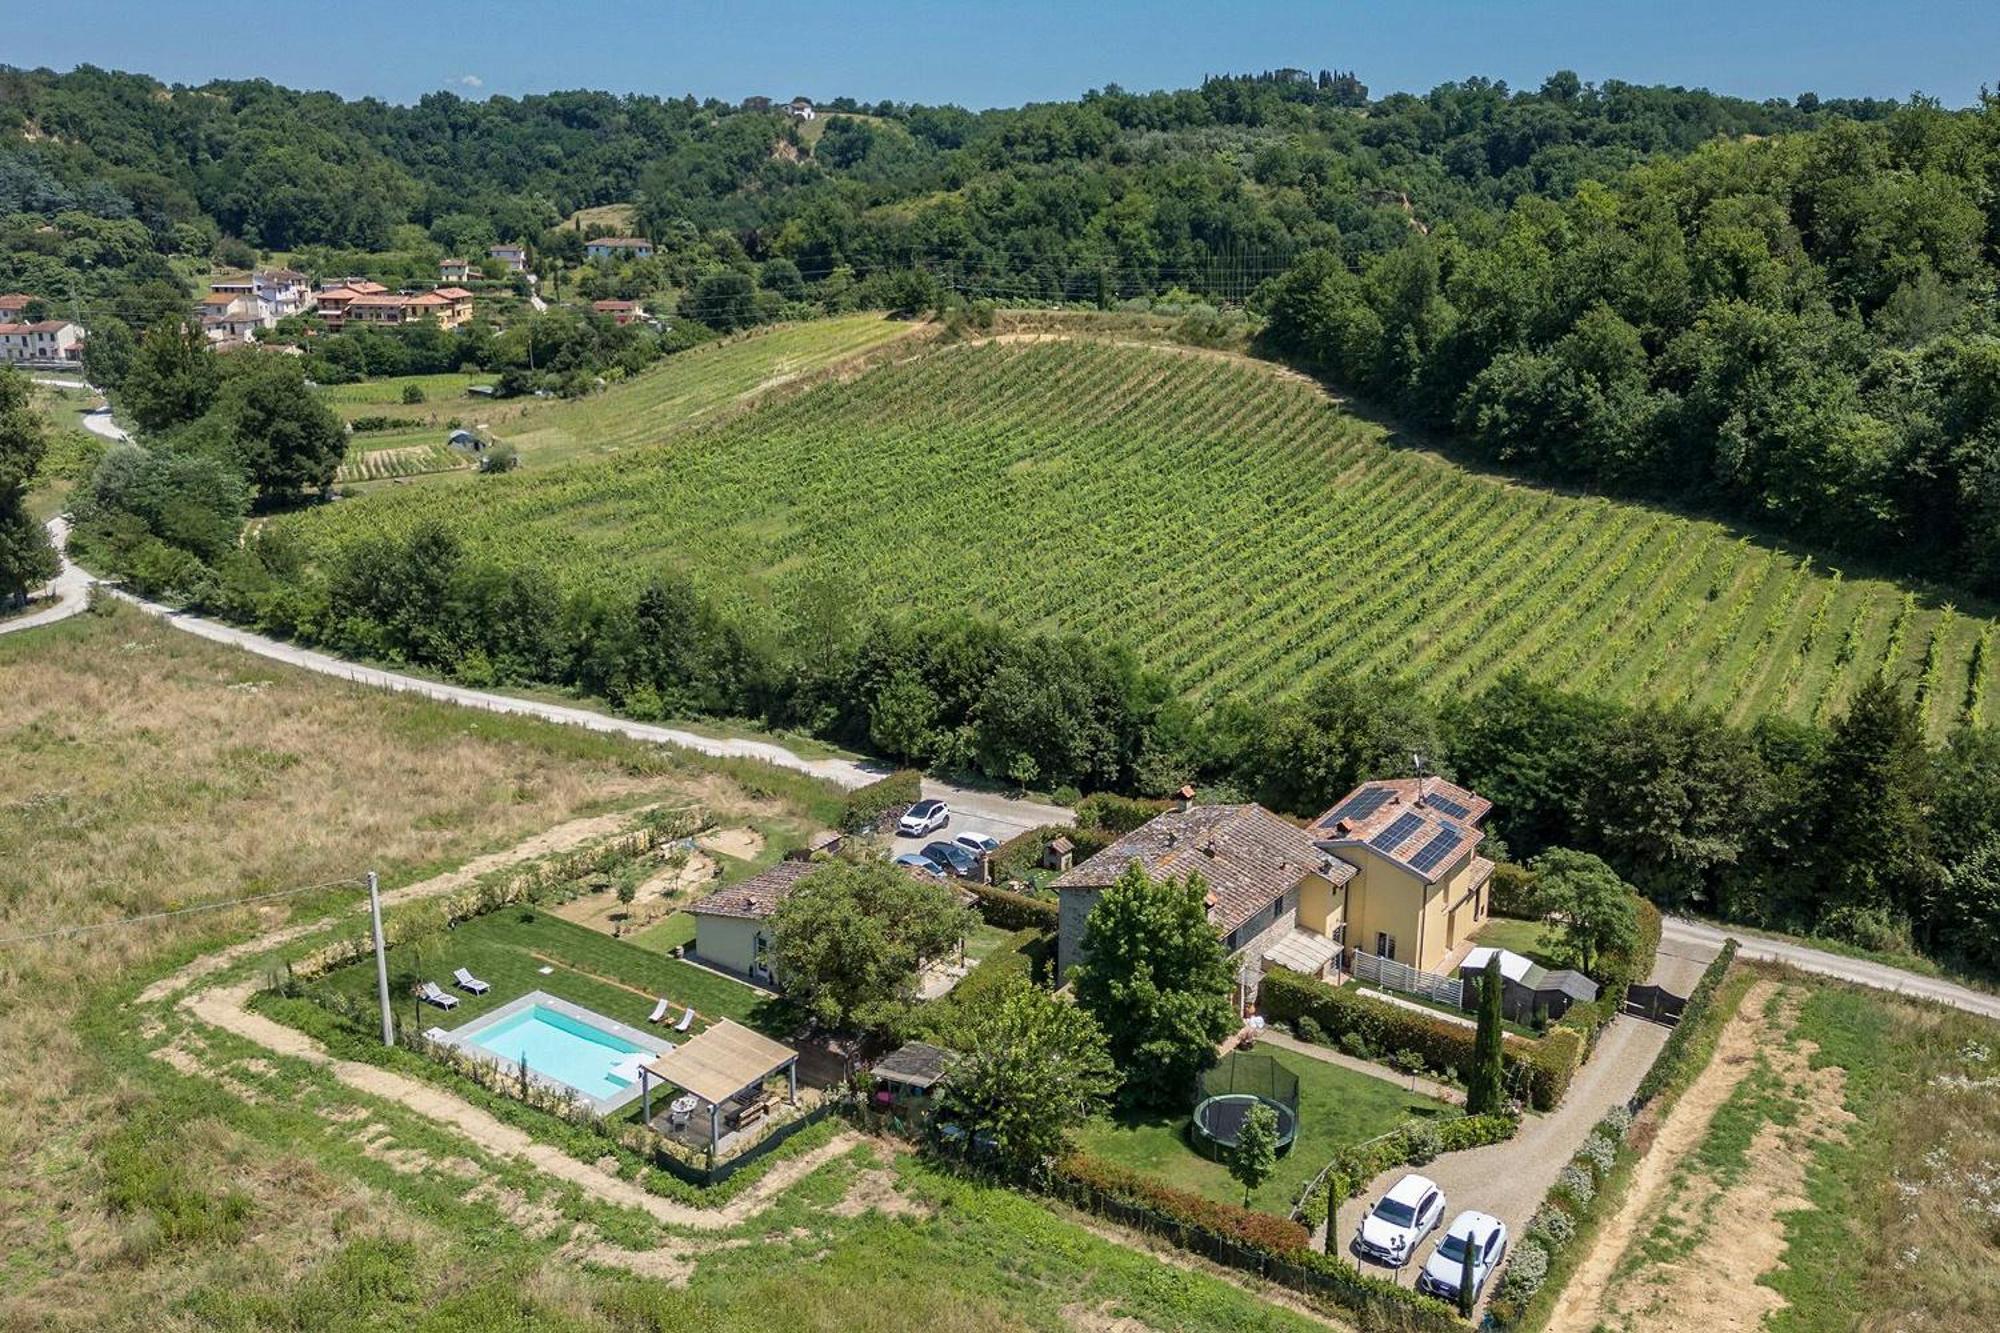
(722, 1061)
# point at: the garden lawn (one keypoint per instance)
(507, 948)
(1337, 1107)
(1530, 939)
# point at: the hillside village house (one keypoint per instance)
(448, 307)
(454, 270)
(515, 257)
(802, 109)
(618, 247)
(285, 291)
(48, 342)
(14, 306)
(1391, 870)
(732, 926)
(620, 312)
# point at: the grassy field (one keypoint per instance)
(613, 978)
(1336, 1107)
(1226, 520)
(1845, 1178)
(224, 1187)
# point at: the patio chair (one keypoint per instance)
(659, 1012)
(469, 983)
(430, 994)
(687, 1020)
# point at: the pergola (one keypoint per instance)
(725, 1061)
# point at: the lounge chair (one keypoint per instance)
(687, 1020)
(469, 983)
(659, 1012)
(430, 994)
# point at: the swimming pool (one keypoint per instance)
(565, 1044)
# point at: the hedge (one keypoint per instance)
(1273, 1247)
(1412, 1145)
(1667, 1064)
(1511, 891)
(867, 805)
(1013, 911)
(1105, 812)
(1548, 1064)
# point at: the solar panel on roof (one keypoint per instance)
(1401, 828)
(1357, 807)
(1446, 804)
(1432, 853)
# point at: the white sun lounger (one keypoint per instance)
(430, 994)
(659, 1012)
(687, 1020)
(467, 982)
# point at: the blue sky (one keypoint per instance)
(988, 54)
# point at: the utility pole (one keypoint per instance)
(381, 960)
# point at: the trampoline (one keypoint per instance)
(1242, 1080)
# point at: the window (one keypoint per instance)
(1385, 944)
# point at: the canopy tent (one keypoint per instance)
(724, 1061)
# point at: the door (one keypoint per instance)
(1385, 945)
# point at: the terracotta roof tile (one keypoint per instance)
(1422, 825)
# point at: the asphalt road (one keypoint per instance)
(1681, 934)
(70, 588)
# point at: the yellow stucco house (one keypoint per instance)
(1392, 870)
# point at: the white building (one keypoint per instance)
(283, 291)
(48, 342)
(802, 108)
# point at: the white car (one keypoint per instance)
(1484, 1235)
(1399, 1221)
(926, 816)
(979, 844)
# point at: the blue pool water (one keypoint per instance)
(562, 1048)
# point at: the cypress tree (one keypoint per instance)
(1484, 1085)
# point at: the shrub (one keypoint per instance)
(1525, 1272)
(1599, 1153)
(413, 394)
(876, 807)
(1551, 1228)
(1353, 1043)
(1013, 911)
(1248, 1226)
(1513, 891)
(1309, 1029)
(1576, 1184)
(1668, 1063)
(1422, 1143)
(1104, 812)
(1617, 1123)
(502, 457)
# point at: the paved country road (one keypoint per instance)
(70, 588)
(1680, 933)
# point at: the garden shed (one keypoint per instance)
(1532, 991)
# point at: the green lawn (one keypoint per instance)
(1336, 1107)
(613, 977)
(984, 941)
(387, 392)
(1530, 939)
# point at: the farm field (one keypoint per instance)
(167, 1174)
(1831, 1168)
(1228, 522)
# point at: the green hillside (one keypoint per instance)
(1226, 520)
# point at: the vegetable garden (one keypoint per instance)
(1235, 528)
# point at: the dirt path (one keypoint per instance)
(562, 838)
(1712, 1234)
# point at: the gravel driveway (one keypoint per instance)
(1510, 1179)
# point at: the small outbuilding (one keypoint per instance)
(1531, 992)
(1058, 854)
(467, 441)
(913, 1072)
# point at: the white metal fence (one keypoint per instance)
(1392, 975)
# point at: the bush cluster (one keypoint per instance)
(1245, 1225)
(876, 807)
(1014, 911)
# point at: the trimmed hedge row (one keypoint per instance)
(1107, 812)
(1576, 1196)
(893, 794)
(1412, 1145)
(1273, 1247)
(1013, 911)
(1545, 1066)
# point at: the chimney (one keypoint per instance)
(1344, 828)
(1186, 795)
(1208, 848)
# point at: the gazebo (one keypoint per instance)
(724, 1062)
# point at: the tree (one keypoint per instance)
(172, 379)
(903, 721)
(108, 353)
(284, 435)
(724, 301)
(26, 558)
(1157, 979)
(848, 938)
(1873, 851)
(1485, 1083)
(1595, 911)
(1036, 1067)
(1255, 1155)
(1305, 755)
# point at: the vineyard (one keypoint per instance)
(1229, 523)
(409, 460)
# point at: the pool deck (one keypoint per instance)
(465, 1040)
